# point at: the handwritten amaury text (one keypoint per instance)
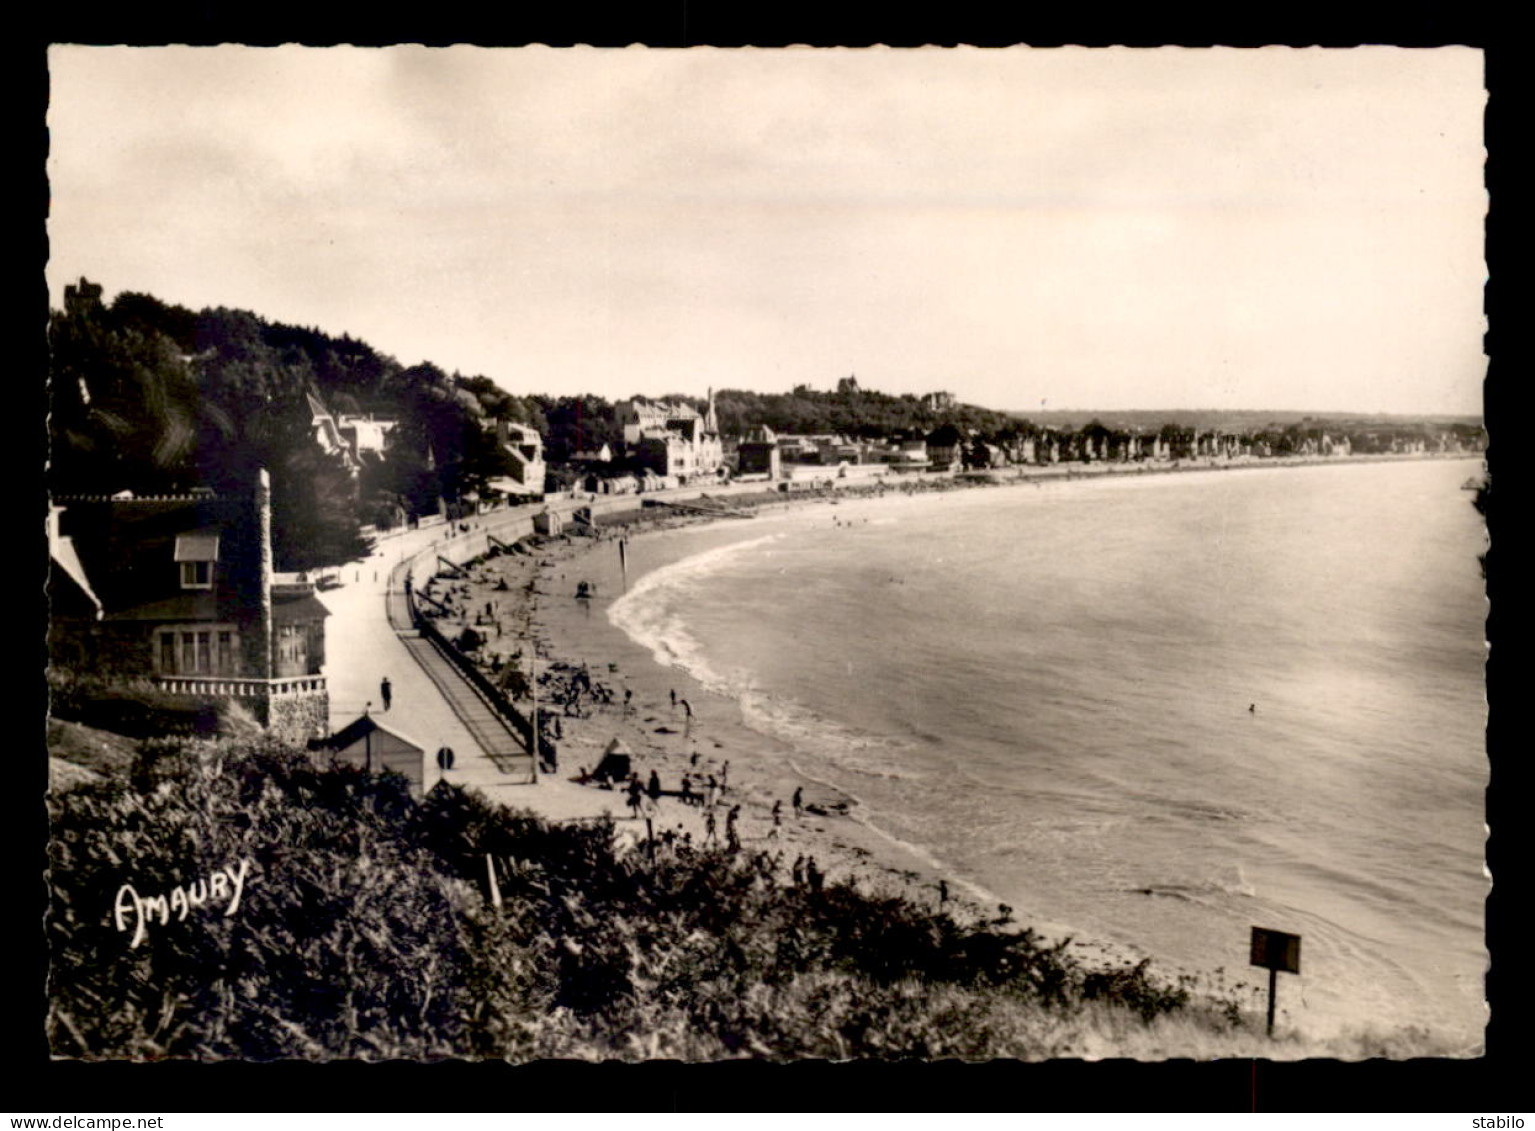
(224, 884)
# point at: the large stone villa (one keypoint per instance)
(180, 591)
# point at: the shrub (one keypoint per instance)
(364, 931)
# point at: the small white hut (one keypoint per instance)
(366, 744)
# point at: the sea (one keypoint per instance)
(1154, 710)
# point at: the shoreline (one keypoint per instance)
(572, 632)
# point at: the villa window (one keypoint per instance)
(195, 554)
(197, 651)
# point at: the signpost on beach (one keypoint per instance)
(1277, 951)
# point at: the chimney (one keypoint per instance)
(264, 551)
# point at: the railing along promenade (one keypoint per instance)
(239, 687)
(513, 524)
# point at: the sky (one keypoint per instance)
(1069, 228)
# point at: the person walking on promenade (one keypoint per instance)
(386, 692)
(799, 803)
(654, 786)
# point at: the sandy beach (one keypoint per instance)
(533, 596)
(522, 597)
(703, 733)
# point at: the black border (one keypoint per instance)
(1486, 1085)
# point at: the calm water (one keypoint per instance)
(1046, 689)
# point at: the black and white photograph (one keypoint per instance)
(766, 554)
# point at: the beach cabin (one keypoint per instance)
(547, 522)
(374, 749)
(616, 764)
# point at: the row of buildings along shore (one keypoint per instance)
(671, 444)
(181, 590)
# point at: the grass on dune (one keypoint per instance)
(365, 931)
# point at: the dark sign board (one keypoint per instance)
(1276, 950)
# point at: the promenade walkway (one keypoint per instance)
(369, 636)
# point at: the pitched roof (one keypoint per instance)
(360, 727)
(200, 546)
(198, 604)
(305, 607)
(62, 553)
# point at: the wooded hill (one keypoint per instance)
(151, 397)
(850, 411)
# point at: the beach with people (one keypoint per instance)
(634, 687)
(690, 752)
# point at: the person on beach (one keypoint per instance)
(693, 761)
(636, 792)
(386, 692)
(711, 827)
(674, 698)
(773, 833)
(654, 786)
(943, 892)
(799, 802)
(813, 876)
(688, 796)
(732, 834)
(711, 795)
(725, 777)
(798, 871)
(628, 696)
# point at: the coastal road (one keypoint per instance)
(432, 704)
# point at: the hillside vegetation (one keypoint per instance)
(364, 930)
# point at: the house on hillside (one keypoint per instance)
(366, 437)
(675, 441)
(180, 590)
(327, 433)
(522, 452)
